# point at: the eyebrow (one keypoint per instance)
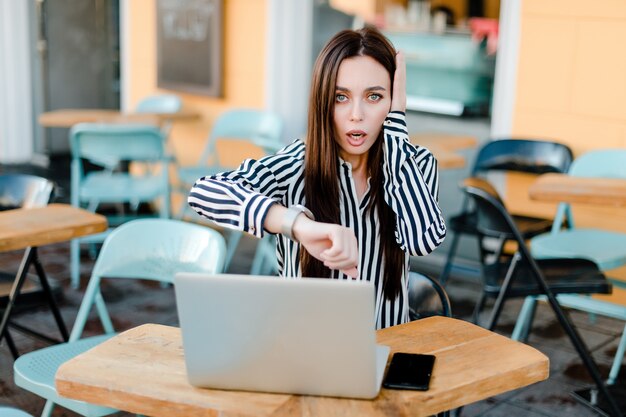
(374, 88)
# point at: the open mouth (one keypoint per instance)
(356, 137)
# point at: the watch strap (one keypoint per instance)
(290, 218)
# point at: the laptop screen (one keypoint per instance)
(306, 336)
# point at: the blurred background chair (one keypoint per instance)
(161, 103)
(427, 297)
(24, 191)
(27, 191)
(606, 248)
(108, 147)
(149, 249)
(507, 155)
(12, 412)
(572, 275)
(523, 275)
(259, 128)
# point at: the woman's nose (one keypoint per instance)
(356, 114)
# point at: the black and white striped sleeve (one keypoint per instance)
(240, 199)
(411, 189)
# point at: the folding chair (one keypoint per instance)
(27, 191)
(106, 146)
(150, 249)
(606, 248)
(525, 276)
(507, 155)
(260, 128)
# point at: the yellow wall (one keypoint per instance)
(571, 75)
(571, 88)
(244, 70)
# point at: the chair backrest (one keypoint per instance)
(261, 128)
(162, 103)
(25, 191)
(108, 144)
(522, 155)
(493, 219)
(604, 163)
(427, 297)
(151, 249)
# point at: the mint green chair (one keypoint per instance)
(606, 248)
(107, 146)
(260, 128)
(12, 412)
(151, 249)
(160, 103)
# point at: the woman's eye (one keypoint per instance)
(374, 97)
(340, 98)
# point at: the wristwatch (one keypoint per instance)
(290, 218)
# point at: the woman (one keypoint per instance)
(356, 198)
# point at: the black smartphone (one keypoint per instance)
(409, 371)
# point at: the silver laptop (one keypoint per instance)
(298, 336)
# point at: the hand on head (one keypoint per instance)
(333, 244)
(398, 100)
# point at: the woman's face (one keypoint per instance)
(362, 101)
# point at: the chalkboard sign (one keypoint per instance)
(189, 46)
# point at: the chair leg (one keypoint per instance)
(525, 319)
(45, 285)
(47, 409)
(575, 338)
(75, 263)
(11, 345)
(181, 211)
(20, 277)
(443, 278)
(584, 353)
(617, 361)
(480, 304)
(497, 308)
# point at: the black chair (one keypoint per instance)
(26, 191)
(523, 275)
(427, 297)
(511, 155)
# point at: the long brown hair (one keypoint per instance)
(321, 172)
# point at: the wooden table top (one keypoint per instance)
(69, 117)
(447, 159)
(54, 223)
(142, 371)
(444, 147)
(567, 188)
(445, 141)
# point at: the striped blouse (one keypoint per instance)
(240, 200)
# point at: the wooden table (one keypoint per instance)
(69, 117)
(142, 371)
(446, 141)
(444, 147)
(562, 187)
(29, 228)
